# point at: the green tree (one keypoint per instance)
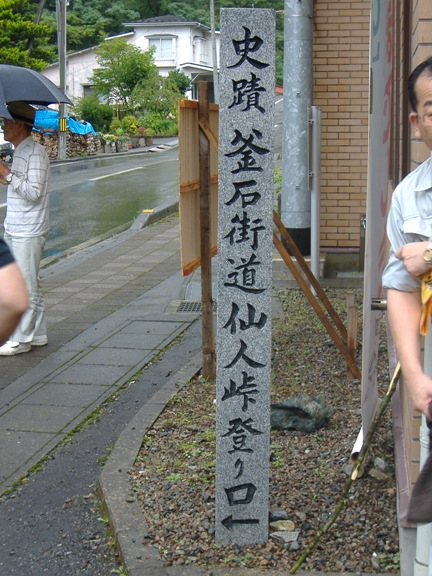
(122, 67)
(17, 30)
(91, 110)
(89, 22)
(149, 8)
(157, 98)
(180, 80)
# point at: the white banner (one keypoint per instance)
(381, 46)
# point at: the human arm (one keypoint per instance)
(13, 299)
(404, 311)
(4, 172)
(30, 172)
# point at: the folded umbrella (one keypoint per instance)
(26, 85)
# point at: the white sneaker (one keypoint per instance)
(39, 341)
(10, 348)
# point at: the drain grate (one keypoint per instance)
(192, 306)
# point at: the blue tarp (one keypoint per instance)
(48, 120)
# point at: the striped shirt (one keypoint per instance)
(409, 220)
(28, 192)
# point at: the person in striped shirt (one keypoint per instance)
(26, 224)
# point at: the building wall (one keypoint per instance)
(186, 38)
(341, 90)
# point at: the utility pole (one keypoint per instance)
(61, 42)
(214, 54)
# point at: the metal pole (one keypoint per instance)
(295, 196)
(214, 54)
(315, 174)
(61, 40)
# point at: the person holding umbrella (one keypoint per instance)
(26, 223)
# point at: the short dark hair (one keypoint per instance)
(425, 66)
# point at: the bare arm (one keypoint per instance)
(404, 311)
(13, 299)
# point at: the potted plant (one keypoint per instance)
(145, 136)
(122, 141)
(108, 142)
(149, 137)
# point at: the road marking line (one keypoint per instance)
(115, 174)
(3, 205)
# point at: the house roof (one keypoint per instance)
(163, 20)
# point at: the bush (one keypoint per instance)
(159, 126)
(115, 125)
(91, 110)
(130, 124)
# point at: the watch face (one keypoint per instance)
(427, 256)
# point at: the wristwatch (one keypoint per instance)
(8, 178)
(427, 254)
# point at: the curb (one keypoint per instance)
(150, 217)
(143, 150)
(125, 516)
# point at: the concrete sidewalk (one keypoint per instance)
(111, 308)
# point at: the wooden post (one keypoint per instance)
(352, 316)
(208, 345)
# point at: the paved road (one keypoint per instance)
(92, 197)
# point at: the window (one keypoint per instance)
(204, 56)
(164, 48)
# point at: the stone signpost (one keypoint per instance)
(245, 231)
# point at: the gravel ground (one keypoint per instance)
(173, 477)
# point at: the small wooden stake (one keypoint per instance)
(352, 328)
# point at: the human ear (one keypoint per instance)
(413, 118)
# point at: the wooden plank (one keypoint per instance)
(316, 306)
(189, 181)
(208, 343)
(310, 276)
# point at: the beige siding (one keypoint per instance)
(341, 89)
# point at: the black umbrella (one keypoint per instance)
(26, 85)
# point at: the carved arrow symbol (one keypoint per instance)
(229, 522)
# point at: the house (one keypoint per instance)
(179, 44)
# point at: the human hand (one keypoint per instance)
(4, 171)
(421, 393)
(412, 257)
